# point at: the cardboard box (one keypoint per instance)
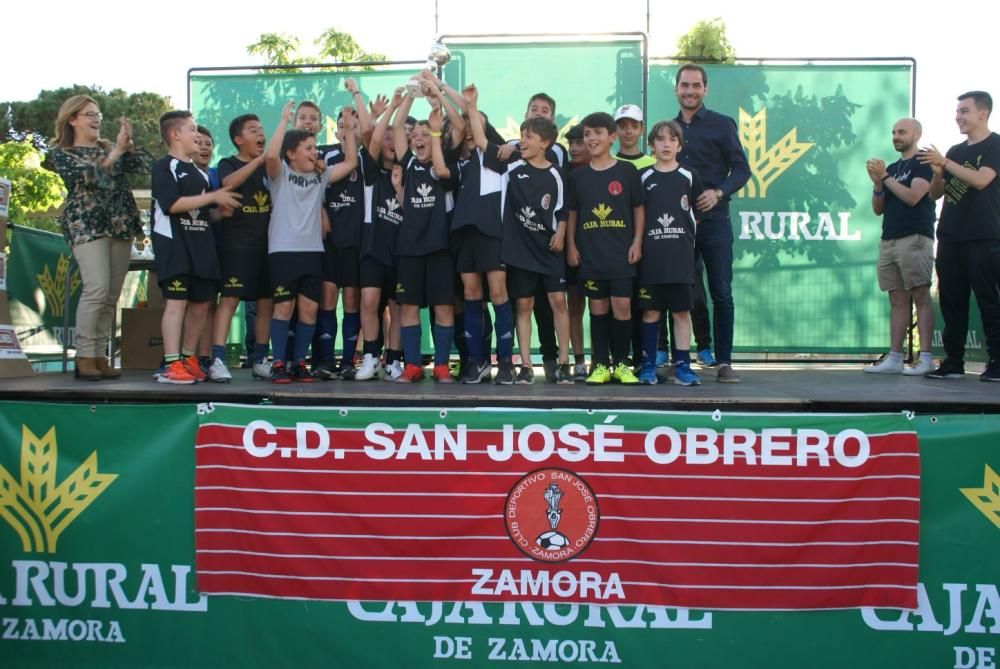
(142, 341)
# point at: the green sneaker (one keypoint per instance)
(624, 374)
(600, 374)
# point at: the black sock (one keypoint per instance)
(621, 339)
(600, 335)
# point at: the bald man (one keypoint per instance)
(906, 252)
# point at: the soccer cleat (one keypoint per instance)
(726, 374)
(923, 366)
(177, 373)
(218, 372)
(193, 367)
(442, 374)
(299, 372)
(411, 374)
(580, 372)
(505, 373)
(550, 367)
(623, 374)
(564, 374)
(992, 371)
(598, 375)
(647, 375)
(685, 376)
(706, 359)
(392, 371)
(278, 373)
(662, 358)
(526, 376)
(368, 369)
(261, 370)
(887, 366)
(476, 371)
(948, 369)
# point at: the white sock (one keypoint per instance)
(895, 357)
(925, 356)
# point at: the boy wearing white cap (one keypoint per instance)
(629, 120)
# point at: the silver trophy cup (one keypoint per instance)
(438, 57)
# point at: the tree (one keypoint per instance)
(34, 120)
(333, 47)
(33, 188)
(706, 41)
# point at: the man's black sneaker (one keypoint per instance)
(476, 371)
(327, 371)
(948, 369)
(525, 376)
(348, 371)
(992, 371)
(550, 367)
(505, 373)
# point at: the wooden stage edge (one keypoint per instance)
(764, 387)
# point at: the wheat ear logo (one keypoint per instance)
(987, 498)
(54, 287)
(260, 198)
(766, 163)
(601, 211)
(37, 507)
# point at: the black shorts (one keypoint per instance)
(426, 280)
(244, 273)
(189, 288)
(341, 266)
(600, 289)
(525, 283)
(376, 275)
(296, 273)
(674, 297)
(475, 252)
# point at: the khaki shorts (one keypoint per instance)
(905, 263)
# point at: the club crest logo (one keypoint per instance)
(551, 515)
(546, 201)
(685, 205)
(615, 187)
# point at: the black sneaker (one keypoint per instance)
(550, 367)
(992, 371)
(300, 373)
(564, 374)
(327, 370)
(526, 376)
(348, 371)
(476, 371)
(948, 369)
(505, 373)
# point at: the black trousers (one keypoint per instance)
(964, 267)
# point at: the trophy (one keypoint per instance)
(438, 57)
(552, 539)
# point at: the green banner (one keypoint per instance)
(37, 270)
(97, 559)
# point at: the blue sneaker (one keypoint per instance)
(683, 376)
(662, 358)
(706, 359)
(647, 375)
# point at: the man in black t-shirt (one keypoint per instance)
(968, 234)
(906, 252)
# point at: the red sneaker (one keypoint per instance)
(193, 368)
(411, 374)
(442, 374)
(299, 372)
(278, 373)
(176, 372)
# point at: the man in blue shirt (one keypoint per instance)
(712, 147)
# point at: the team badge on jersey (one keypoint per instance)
(684, 202)
(615, 187)
(546, 201)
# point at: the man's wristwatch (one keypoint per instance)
(719, 194)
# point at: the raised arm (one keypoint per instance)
(399, 139)
(272, 155)
(343, 169)
(378, 134)
(471, 96)
(364, 118)
(437, 155)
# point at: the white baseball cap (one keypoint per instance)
(629, 111)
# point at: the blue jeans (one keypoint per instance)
(717, 253)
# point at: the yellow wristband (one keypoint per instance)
(435, 133)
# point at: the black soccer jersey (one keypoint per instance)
(247, 227)
(344, 200)
(425, 224)
(533, 203)
(183, 242)
(383, 215)
(478, 200)
(604, 200)
(668, 240)
(555, 154)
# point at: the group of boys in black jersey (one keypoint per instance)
(443, 213)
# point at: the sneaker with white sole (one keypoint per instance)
(392, 371)
(261, 370)
(923, 366)
(368, 369)
(218, 372)
(887, 366)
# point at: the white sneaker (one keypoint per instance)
(218, 372)
(392, 372)
(887, 366)
(262, 370)
(923, 366)
(368, 369)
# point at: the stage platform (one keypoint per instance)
(764, 387)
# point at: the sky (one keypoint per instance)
(105, 42)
